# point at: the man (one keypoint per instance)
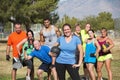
(43, 54)
(13, 39)
(84, 36)
(49, 33)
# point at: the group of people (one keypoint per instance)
(74, 48)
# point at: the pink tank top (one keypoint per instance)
(103, 45)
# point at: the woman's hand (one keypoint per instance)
(76, 65)
(105, 50)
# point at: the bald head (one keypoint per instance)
(36, 44)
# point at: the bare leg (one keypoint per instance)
(54, 73)
(39, 74)
(108, 67)
(28, 72)
(32, 73)
(14, 74)
(86, 74)
(49, 75)
(99, 68)
(90, 68)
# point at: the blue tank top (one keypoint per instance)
(90, 49)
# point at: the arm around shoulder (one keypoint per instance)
(42, 40)
(19, 44)
(57, 31)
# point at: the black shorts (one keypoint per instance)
(45, 67)
(28, 63)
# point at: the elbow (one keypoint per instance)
(17, 47)
(99, 48)
(112, 46)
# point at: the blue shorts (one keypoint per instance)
(45, 67)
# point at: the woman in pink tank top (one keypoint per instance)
(105, 56)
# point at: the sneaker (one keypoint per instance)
(28, 78)
(101, 78)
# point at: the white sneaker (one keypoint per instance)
(28, 78)
(101, 78)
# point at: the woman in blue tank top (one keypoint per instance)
(92, 49)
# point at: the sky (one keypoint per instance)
(83, 8)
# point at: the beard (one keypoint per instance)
(18, 32)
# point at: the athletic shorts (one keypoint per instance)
(28, 63)
(84, 64)
(16, 63)
(105, 57)
(45, 67)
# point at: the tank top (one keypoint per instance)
(50, 36)
(103, 45)
(28, 48)
(90, 49)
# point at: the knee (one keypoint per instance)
(53, 70)
(39, 72)
(98, 70)
(109, 70)
(90, 69)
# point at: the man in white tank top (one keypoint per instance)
(49, 33)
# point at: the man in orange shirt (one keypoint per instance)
(13, 39)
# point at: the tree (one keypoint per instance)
(91, 20)
(104, 19)
(66, 19)
(26, 11)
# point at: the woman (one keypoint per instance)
(92, 49)
(68, 43)
(27, 49)
(105, 56)
(77, 33)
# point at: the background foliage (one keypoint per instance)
(27, 11)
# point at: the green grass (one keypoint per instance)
(6, 66)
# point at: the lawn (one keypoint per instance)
(5, 66)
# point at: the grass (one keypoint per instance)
(6, 66)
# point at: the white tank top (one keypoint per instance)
(50, 36)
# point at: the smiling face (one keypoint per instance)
(87, 27)
(67, 30)
(18, 28)
(47, 23)
(36, 45)
(77, 29)
(91, 34)
(30, 36)
(104, 32)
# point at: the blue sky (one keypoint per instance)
(83, 8)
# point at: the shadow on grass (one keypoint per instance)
(83, 78)
(45, 78)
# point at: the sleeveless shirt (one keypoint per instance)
(90, 49)
(50, 36)
(103, 45)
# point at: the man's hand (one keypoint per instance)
(7, 57)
